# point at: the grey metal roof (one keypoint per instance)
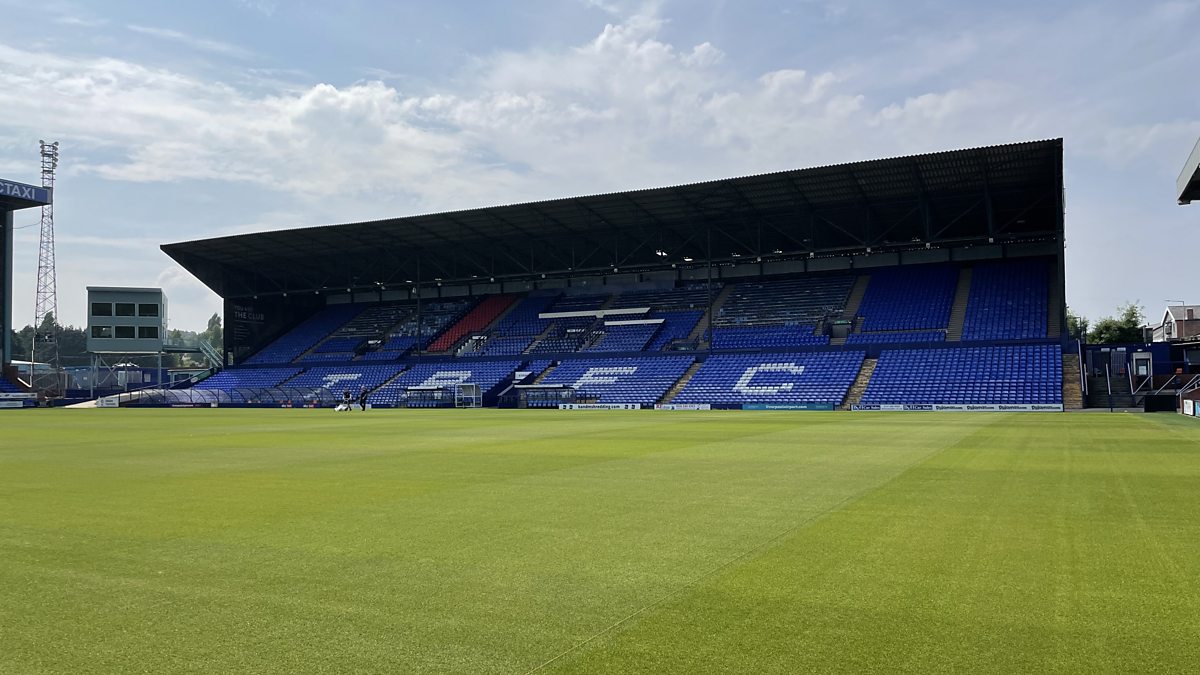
(1004, 192)
(1188, 184)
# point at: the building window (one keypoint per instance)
(148, 332)
(124, 309)
(147, 309)
(125, 332)
(101, 331)
(101, 309)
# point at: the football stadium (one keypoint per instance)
(826, 419)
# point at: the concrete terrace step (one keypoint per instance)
(1071, 383)
(854, 300)
(958, 311)
(680, 383)
(855, 394)
(702, 325)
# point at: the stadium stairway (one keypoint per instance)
(854, 396)
(549, 369)
(850, 311)
(1054, 320)
(538, 340)
(958, 311)
(680, 383)
(1071, 382)
(1122, 395)
(698, 333)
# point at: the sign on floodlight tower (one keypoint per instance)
(45, 310)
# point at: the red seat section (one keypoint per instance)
(477, 319)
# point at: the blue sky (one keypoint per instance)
(187, 120)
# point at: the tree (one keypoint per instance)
(214, 334)
(1077, 325)
(1125, 328)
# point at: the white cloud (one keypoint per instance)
(192, 41)
(265, 7)
(625, 109)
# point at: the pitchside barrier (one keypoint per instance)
(969, 407)
(17, 400)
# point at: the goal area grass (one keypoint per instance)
(597, 541)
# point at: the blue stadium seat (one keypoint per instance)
(637, 379)
(1008, 301)
(1001, 374)
(814, 377)
(486, 374)
(909, 298)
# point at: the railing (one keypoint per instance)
(1129, 374)
(1193, 383)
(214, 357)
(1083, 381)
(1108, 381)
(269, 396)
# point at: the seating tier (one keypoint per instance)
(806, 301)
(1008, 301)
(639, 379)
(815, 377)
(1016, 374)
(486, 374)
(909, 298)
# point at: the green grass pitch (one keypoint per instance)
(517, 541)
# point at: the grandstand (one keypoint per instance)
(921, 281)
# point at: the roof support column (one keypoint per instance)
(708, 286)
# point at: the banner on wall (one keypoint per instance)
(1189, 407)
(787, 406)
(599, 406)
(964, 407)
(683, 406)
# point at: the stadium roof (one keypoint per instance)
(997, 193)
(15, 196)
(1189, 178)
